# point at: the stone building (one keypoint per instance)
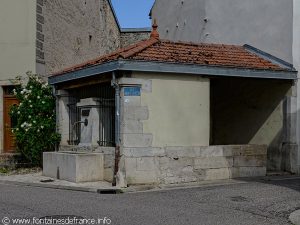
(270, 25)
(44, 36)
(157, 112)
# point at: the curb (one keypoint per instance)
(129, 190)
(64, 187)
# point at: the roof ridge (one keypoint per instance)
(138, 48)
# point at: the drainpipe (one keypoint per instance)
(56, 111)
(117, 127)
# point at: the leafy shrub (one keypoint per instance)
(35, 131)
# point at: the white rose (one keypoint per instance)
(42, 127)
(30, 106)
(38, 97)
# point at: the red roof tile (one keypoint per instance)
(156, 50)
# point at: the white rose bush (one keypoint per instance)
(35, 131)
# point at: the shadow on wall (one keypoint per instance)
(249, 111)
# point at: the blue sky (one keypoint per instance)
(133, 13)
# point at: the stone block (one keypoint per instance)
(108, 174)
(137, 140)
(229, 150)
(130, 165)
(136, 113)
(218, 174)
(183, 152)
(142, 177)
(248, 172)
(132, 101)
(248, 161)
(175, 165)
(132, 127)
(213, 162)
(179, 180)
(212, 151)
(109, 160)
(146, 164)
(74, 167)
(251, 150)
(143, 152)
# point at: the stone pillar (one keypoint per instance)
(289, 146)
(133, 113)
(63, 116)
(90, 131)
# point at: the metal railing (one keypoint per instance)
(105, 108)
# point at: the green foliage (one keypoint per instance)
(3, 170)
(35, 129)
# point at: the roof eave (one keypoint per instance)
(162, 67)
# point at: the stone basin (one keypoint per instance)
(74, 166)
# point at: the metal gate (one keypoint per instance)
(105, 96)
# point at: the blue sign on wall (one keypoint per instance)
(132, 91)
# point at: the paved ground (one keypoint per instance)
(254, 202)
(36, 179)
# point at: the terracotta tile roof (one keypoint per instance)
(156, 50)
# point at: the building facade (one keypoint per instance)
(44, 36)
(270, 25)
(165, 112)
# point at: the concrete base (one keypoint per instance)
(74, 167)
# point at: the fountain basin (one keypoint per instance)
(74, 166)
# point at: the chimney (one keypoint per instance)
(154, 33)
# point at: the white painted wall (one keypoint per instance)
(179, 110)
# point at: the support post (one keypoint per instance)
(117, 127)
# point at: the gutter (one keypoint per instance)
(164, 67)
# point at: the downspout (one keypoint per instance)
(117, 127)
(56, 112)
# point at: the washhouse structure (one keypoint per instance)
(170, 112)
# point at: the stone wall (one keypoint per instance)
(175, 165)
(131, 36)
(76, 31)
